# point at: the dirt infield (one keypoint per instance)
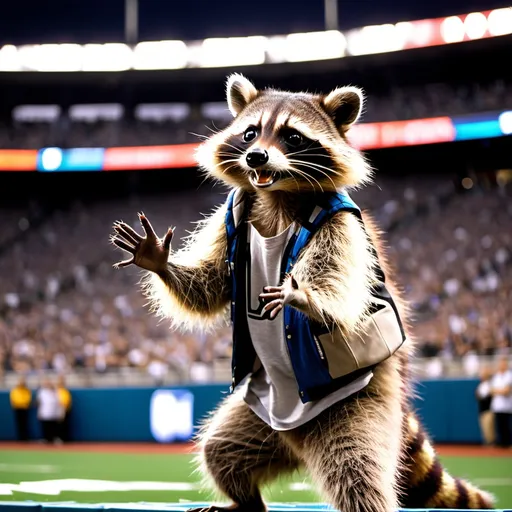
(150, 448)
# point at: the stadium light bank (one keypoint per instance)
(256, 50)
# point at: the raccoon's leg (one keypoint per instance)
(352, 449)
(426, 484)
(239, 452)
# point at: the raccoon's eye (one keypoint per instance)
(250, 134)
(293, 138)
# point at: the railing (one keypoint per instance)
(220, 372)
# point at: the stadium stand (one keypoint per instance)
(65, 307)
(104, 125)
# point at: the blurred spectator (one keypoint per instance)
(21, 398)
(49, 411)
(486, 416)
(64, 307)
(428, 100)
(65, 402)
(501, 403)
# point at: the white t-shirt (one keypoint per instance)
(502, 403)
(49, 408)
(271, 392)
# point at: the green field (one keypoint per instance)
(114, 478)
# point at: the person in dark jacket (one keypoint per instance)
(21, 398)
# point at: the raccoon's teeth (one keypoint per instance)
(263, 177)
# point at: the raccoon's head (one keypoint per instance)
(283, 141)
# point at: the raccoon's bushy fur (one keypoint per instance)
(365, 453)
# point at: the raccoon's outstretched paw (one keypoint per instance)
(279, 296)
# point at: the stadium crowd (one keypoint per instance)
(63, 306)
(181, 124)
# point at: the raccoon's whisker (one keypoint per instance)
(206, 176)
(199, 135)
(216, 130)
(322, 172)
(301, 174)
(294, 179)
(304, 175)
(317, 169)
(313, 154)
(302, 151)
(314, 164)
(221, 153)
(334, 171)
(224, 171)
(318, 166)
(215, 126)
(238, 150)
(233, 162)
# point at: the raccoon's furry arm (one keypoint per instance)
(194, 290)
(335, 273)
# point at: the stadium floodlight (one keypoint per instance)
(107, 57)
(160, 55)
(51, 159)
(51, 57)
(475, 25)
(9, 58)
(500, 21)
(505, 121)
(231, 51)
(422, 34)
(377, 39)
(311, 46)
(452, 30)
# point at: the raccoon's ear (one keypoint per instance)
(344, 105)
(240, 92)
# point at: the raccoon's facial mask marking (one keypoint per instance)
(268, 159)
(274, 155)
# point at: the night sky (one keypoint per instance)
(82, 21)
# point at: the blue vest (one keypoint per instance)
(310, 368)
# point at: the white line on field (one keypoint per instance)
(28, 468)
(300, 486)
(55, 487)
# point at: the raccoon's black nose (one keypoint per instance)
(256, 157)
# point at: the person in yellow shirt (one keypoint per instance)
(65, 403)
(21, 398)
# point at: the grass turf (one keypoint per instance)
(492, 473)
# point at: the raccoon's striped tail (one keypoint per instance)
(426, 484)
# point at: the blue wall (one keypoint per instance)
(447, 408)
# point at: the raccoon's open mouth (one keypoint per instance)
(263, 178)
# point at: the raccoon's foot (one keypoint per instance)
(247, 507)
(279, 296)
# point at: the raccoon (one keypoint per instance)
(304, 275)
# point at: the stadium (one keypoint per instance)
(103, 107)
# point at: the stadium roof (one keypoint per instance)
(32, 21)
